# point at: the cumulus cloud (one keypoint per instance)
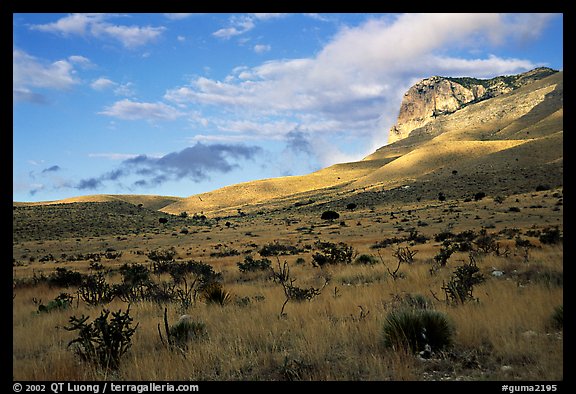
(102, 83)
(96, 25)
(356, 81)
(195, 163)
(30, 73)
(132, 110)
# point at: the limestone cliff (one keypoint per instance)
(437, 96)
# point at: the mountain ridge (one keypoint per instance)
(506, 128)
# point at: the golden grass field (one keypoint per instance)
(506, 335)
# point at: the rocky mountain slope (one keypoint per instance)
(436, 96)
(510, 141)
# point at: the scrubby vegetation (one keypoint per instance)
(424, 292)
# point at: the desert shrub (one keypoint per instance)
(224, 251)
(332, 253)
(250, 265)
(443, 236)
(479, 196)
(486, 243)
(387, 242)
(103, 341)
(366, 259)
(416, 237)
(460, 287)
(136, 284)
(278, 249)
(183, 214)
(329, 215)
(63, 277)
(351, 206)
(441, 197)
(161, 259)
(550, 236)
(414, 328)
(514, 209)
(446, 250)
(62, 301)
(94, 290)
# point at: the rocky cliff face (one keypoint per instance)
(437, 96)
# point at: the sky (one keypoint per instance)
(181, 104)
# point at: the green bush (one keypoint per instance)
(331, 253)
(251, 265)
(414, 328)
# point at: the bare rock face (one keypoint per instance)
(438, 96)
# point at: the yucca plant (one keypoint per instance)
(414, 328)
(558, 317)
(213, 293)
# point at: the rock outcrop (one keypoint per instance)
(437, 96)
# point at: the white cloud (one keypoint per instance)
(132, 110)
(240, 24)
(355, 83)
(102, 84)
(95, 25)
(178, 16)
(30, 73)
(261, 48)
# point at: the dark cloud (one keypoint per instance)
(51, 169)
(297, 142)
(197, 163)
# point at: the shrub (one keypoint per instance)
(331, 253)
(550, 236)
(278, 249)
(94, 290)
(366, 259)
(103, 342)
(62, 301)
(479, 196)
(63, 277)
(351, 206)
(329, 215)
(412, 329)
(460, 288)
(250, 265)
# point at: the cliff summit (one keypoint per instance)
(436, 96)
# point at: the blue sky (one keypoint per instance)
(180, 104)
